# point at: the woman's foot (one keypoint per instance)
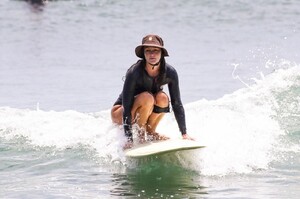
(142, 135)
(153, 136)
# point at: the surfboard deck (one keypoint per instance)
(161, 147)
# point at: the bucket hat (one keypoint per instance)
(150, 41)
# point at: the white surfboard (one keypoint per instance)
(163, 146)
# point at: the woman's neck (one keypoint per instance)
(152, 71)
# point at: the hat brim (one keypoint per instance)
(140, 53)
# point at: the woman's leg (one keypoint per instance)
(162, 101)
(140, 112)
(142, 108)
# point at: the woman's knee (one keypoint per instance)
(146, 98)
(162, 99)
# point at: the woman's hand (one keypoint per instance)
(187, 137)
(128, 145)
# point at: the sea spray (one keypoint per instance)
(241, 131)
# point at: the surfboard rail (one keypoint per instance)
(161, 147)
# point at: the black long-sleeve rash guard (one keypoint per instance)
(138, 81)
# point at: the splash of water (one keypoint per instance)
(240, 130)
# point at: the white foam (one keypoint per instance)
(239, 130)
(60, 129)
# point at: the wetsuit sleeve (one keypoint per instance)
(128, 99)
(119, 100)
(176, 102)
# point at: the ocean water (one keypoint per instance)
(61, 69)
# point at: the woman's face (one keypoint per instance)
(152, 55)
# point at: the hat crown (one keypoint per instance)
(150, 41)
(153, 40)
